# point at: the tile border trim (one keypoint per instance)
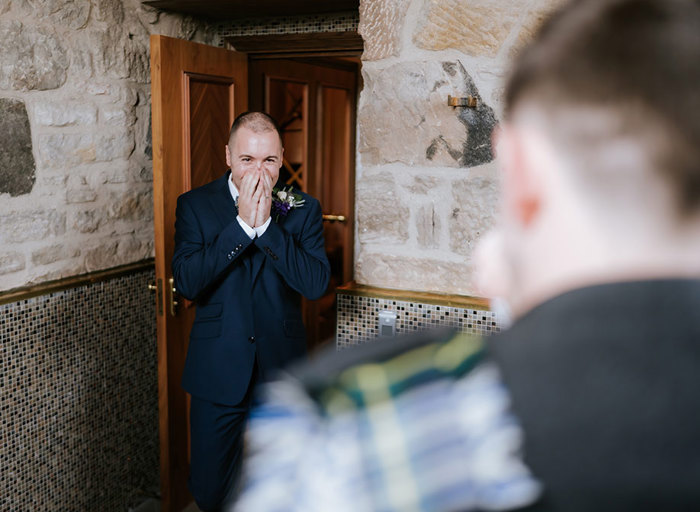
(27, 292)
(458, 301)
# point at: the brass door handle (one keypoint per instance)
(172, 295)
(335, 218)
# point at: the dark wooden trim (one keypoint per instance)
(27, 292)
(319, 44)
(454, 301)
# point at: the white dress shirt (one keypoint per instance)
(251, 232)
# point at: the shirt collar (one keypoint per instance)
(232, 188)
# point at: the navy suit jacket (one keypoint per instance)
(247, 292)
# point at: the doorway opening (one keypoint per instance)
(313, 96)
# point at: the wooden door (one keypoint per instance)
(314, 99)
(196, 92)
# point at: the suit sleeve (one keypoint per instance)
(301, 261)
(199, 259)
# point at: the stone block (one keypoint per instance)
(142, 173)
(116, 55)
(536, 15)
(411, 273)
(421, 185)
(115, 174)
(474, 27)
(381, 216)
(112, 147)
(88, 221)
(148, 14)
(132, 206)
(34, 225)
(115, 116)
(65, 114)
(103, 256)
(80, 195)
(474, 206)
(17, 167)
(111, 253)
(53, 253)
(404, 117)
(31, 58)
(64, 150)
(381, 23)
(72, 14)
(110, 11)
(428, 227)
(11, 262)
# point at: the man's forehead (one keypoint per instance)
(245, 140)
(245, 137)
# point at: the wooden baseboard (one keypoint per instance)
(66, 283)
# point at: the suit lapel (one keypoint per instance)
(226, 209)
(223, 203)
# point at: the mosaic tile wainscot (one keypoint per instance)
(79, 398)
(358, 317)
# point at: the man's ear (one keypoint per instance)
(522, 191)
(228, 156)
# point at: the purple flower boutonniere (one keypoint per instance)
(284, 200)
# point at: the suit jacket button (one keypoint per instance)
(229, 256)
(251, 339)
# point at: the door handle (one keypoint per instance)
(335, 218)
(172, 296)
(158, 290)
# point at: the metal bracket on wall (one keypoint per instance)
(469, 101)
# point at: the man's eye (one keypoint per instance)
(245, 159)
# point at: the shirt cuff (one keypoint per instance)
(260, 230)
(248, 230)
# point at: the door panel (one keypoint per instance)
(196, 91)
(315, 106)
(210, 115)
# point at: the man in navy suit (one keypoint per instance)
(246, 273)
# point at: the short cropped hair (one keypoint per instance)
(257, 122)
(639, 61)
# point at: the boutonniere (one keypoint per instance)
(284, 200)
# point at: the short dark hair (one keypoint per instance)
(639, 60)
(258, 122)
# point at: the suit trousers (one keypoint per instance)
(216, 449)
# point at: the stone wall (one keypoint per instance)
(75, 142)
(426, 183)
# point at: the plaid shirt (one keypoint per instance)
(424, 429)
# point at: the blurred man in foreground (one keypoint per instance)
(601, 231)
(600, 228)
